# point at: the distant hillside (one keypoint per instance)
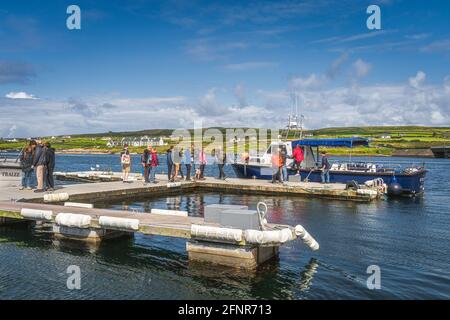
(389, 140)
(372, 131)
(393, 131)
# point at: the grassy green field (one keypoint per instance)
(400, 139)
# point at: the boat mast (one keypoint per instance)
(295, 122)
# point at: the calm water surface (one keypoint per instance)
(409, 239)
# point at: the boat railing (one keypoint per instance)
(383, 166)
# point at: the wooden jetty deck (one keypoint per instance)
(94, 192)
(208, 242)
(166, 225)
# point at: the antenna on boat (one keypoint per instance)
(295, 122)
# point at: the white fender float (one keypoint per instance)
(79, 205)
(36, 214)
(173, 184)
(73, 220)
(268, 237)
(56, 197)
(306, 237)
(216, 233)
(119, 223)
(367, 191)
(170, 212)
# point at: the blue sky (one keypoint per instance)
(150, 64)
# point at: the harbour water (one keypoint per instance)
(409, 239)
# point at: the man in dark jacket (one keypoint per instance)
(39, 162)
(26, 164)
(325, 174)
(169, 155)
(50, 166)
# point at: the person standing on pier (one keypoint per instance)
(276, 165)
(39, 162)
(169, 158)
(187, 159)
(145, 163)
(50, 166)
(325, 174)
(221, 159)
(176, 163)
(154, 163)
(283, 159)
(26, 163)
(203, 162)
(298, 156)
(125, 160)
(181, 157)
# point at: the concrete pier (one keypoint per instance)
(246, 257)
(207, 242)
(241, 238)
(89, 234)
(105, 191)
(8, 221)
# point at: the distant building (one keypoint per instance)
(385, 136)
(143, 141)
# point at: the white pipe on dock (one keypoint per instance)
(73, 220)
(306, 237)
(36, 214)
(119, 223)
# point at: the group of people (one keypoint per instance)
(279, 168)
(181, 163)
(279, 159)
(194, 160)
(38, 157)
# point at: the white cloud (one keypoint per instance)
(307, 83)
(361, 68)
(417, 80)
(437, 46)
(333, 70)
(20, 95)
(408, 103)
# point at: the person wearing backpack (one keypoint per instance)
(125, 160)
(153, 164)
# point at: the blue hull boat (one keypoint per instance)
(400, 182)
(412, 183)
